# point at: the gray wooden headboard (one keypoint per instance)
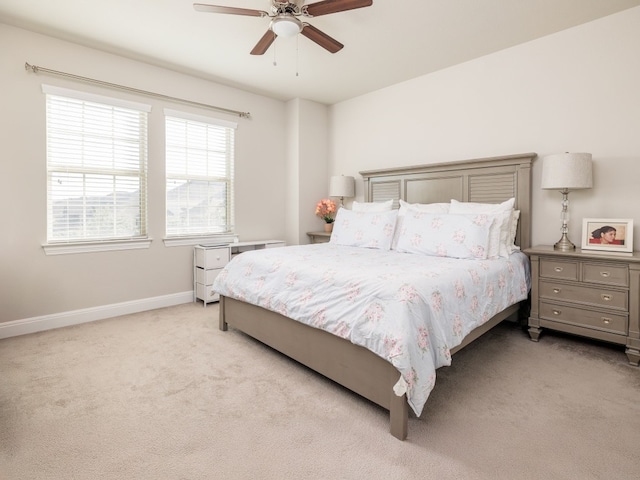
(485, 180)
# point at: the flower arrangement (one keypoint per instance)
(325, 209)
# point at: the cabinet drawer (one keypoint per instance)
(206, 277)
(212, 257)
(206, 293)
(587, 295)
(607, 322)
(605, 274)
(558, 269)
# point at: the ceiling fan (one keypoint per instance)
(285, 21)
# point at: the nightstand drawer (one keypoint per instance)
(212, 257)
(586, 295)
(206, 277)
(583, 317)
(605, 274)
(206, 293)
(558, 269)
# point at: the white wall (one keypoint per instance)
(575, 91)
(33, 284)
(314, 158)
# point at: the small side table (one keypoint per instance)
(593, 294)
(319, 237)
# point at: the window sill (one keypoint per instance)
(87, 247)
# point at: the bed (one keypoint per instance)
(357, 367)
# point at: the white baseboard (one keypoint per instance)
(75, 317)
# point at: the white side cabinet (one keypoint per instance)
(209, 260)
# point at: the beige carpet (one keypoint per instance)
(166, 395)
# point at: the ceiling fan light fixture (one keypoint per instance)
(286, 26)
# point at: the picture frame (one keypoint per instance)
(608, 234)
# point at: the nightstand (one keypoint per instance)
(209, 260)
(319, 237)
(587, 293)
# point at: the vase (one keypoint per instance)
(328, 227)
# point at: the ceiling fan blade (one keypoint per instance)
(321, 38)
(203, 7)
(264, 43)
(326, 7)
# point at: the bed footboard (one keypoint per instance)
(352, 366)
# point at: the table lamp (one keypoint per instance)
(341, 186)
(565, 172)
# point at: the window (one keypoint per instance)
(200, 158)
(96, 167)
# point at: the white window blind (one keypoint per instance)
(199, 170)
(96, 167)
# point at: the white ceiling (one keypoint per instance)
(387, 43)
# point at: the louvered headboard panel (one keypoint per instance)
(485, 180)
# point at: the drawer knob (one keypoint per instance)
(606, 320)
(558, 269)
(557, 312)
(212, 293)
(606, 297)
(556, 290)
(605, 274)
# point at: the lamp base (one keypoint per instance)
(564, 244)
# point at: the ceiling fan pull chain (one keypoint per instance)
(275, 62)
(297, 56)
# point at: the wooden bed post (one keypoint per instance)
(399, 416)
(223, 324)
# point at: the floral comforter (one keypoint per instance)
(409, 309)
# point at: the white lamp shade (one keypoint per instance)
(286, 26)
(341, 186)
(572, 171)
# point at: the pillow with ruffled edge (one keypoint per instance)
(446, 235)
(501, 229)
(372, 206)
(364, 229)
(418, 207)
(515, 216)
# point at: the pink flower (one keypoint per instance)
(436, 223)
(474, 304)
(457, 326)
(374, 312)
(436, 301)
(411, 379)
(407, 293)
(459, 236)
(392, 347)
(325, 209)
(423, 339)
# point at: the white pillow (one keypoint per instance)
(364, 229)
(416, 207)
(425, 207)
(500, 231)
(514, 230)
(444, 235)
(372, 206)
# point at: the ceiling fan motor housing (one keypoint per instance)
(289, 8)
